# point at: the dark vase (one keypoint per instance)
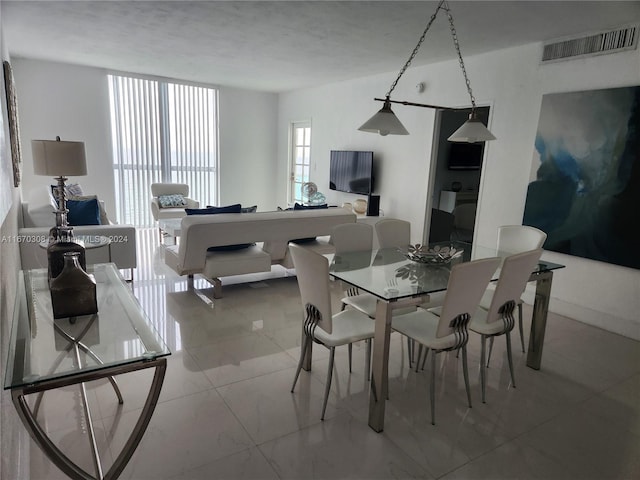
(73, 291)
(55, 256)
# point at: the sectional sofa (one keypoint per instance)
(34, 226)
(227, 244)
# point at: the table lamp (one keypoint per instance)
(59, 159)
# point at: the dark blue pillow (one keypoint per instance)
(236, 208)
(299, 206)
(83, 212)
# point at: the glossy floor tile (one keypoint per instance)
(226, 410)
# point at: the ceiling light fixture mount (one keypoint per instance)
(385, 122)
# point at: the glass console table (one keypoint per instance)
(46, 354)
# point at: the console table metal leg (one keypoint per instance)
(87, 415)
(40, 437)
(56, 455)
(143, 420)
(539, 318)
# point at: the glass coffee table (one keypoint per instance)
(46, 354)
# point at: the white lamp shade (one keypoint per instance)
(472, 131)
(58, 158)
(384, 122)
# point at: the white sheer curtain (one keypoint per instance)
(162, 132)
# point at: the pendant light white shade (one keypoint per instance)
(472, 131)
(384, 122)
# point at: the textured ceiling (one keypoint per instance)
(279, 46)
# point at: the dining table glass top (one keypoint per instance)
(388, 274)
(40, 348)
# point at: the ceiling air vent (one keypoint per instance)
(610, 41)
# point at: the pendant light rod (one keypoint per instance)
(426, 105)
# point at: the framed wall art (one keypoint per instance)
(584, 190)
(14, 132)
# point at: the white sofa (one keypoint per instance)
(34, 226)
(270, 231)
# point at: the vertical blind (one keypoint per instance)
(161, 132)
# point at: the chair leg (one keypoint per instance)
(513, 378)
(490, 350)
(419, 355)
(368, 364)
(303, 352)
(424, 359)
(520, 325)
(483, 341)
(432, 392)
(410, 352)
(327, 387)
(465, 371)
(350, 355)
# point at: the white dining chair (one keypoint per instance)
(393, 232)
(320, 325)
(447, 330)
(515, 239)
(347, 238)
(498, 318)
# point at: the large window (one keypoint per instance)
(162, 132)
(300, 159)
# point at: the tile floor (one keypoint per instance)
(226, 411)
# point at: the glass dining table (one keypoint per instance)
(398, 282)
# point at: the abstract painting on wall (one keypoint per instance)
(584, 190)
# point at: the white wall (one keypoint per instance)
(73, 102)
(248, 148)
(512, 82)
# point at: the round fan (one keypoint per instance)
(309, 189)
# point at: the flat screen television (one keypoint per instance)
(465, 156)
(351, 171)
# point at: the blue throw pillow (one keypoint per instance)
(236, 208)
(299, 206)
(83, 212)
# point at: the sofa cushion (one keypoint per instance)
(171, 201)
(83, 212)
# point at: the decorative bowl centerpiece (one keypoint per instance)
(438, 255)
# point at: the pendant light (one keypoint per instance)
(385, 122)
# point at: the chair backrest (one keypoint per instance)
(519, 238)
(441, 226)
(352, 237)
(514, 275)
(312, 270)
(393, 232)
(158, 189)
(467, 283)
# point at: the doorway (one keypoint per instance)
(456, 173)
